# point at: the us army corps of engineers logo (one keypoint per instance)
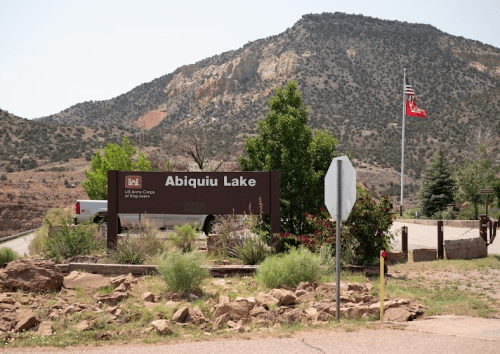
(133, 182)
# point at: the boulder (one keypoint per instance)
(162, 327)
(285, 297)
(466, 249)
(258, 310)
(236, 310)
(221, 320)
(397, 314)
(424, 254)
(180, 314)
(83, 326)
(148, 296)
(25, 320)
(111, 299)
(395, 257)
(293, 315)
(31, 275)
(265, 300)
(45, 329)
(84, 281)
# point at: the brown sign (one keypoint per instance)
(486, 191)
(192, 193)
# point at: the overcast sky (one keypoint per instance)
(54, 54)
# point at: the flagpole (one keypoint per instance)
(403, 144)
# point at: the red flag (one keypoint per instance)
(411, 107)
(412, 110)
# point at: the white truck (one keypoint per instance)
(97, 210)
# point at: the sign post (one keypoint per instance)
(340, 196)
(487, 192)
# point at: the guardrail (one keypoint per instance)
(7, 238)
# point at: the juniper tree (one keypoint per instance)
(437, 187)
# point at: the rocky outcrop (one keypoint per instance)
(30, 275)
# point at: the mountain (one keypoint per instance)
(350, 70)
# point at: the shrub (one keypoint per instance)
(7, 255)
(69, 241)
(289, 269)
(250, 250)
(183, 237)
(364, 233)
(54, 217)
(182, 271)
(3, 177)
(137, 250)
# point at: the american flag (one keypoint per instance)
(408, 89)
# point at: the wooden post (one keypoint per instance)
(440, 239)
(483, 227)
(275, 209)
(112, 210)
(404, 241)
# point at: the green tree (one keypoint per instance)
(437, 187)
(115, 157)
(286, 144)
(472, 176)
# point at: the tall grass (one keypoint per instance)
(7, 255)
(289, 269)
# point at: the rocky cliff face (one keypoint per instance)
(350, 70)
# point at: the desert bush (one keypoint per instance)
(183, 237)
(289, 269)
(54, 217)
(249, 250)
(182, 271)
(7, 255)
(69, 241)
(139, 248)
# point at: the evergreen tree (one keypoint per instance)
(286, 144)
(474, 175)
(437, 187)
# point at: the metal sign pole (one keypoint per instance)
(337, 239)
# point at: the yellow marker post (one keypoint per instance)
(382, 256)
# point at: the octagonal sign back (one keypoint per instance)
(348, 187)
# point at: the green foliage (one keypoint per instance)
(55, 217)
(136, 250)
(7, 255)
(68, 241)
(182, 271)
(115, 157)
(437, 187)
(286, 144)
(249, 250)
(412, 213)
(3, 178)
(289, 269)
(496, 190)
(364, 233)
(444, 214)
(183, 237)
(472, 176)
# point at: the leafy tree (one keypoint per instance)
(496, 190)
(115, 157)
(437, 187)
(474, 175)
(285, 143)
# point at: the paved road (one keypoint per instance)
(425, 236)
(436, 335)
(20, 244)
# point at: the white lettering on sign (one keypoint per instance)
(208, 182)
